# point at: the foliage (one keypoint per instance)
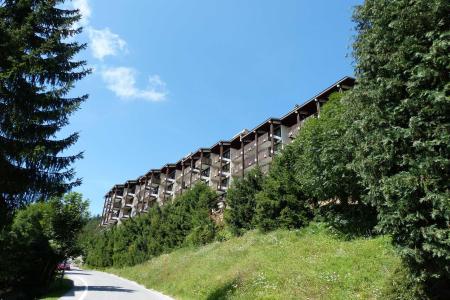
(324, 154)
(186, 221)
(403, 71)
(37, 71)
(41, 235)
(90, 230)
(310, 263)
(241, 202)
(282, 203)
(68, 215)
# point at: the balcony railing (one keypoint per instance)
(217, 160)
(179, 177)
(221, 174)
(205, 162)
(155, 181)
(264, 154)
(116, 204)
(249, 147)
(236, 170)
(293, 131)
(125, 216)
(237, 155)
(130, 195)
(152, 192)
(249, 161)
(263, 138)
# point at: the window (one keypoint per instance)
(226, 154)
(277, 131)
(226, 168)
(205, 172)
(224, 182)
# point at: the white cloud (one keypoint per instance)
(103, 42)
(122, 81)
(85, 11)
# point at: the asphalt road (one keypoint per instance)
(95, 285)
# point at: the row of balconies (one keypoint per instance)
(216, 165)
(133, 199)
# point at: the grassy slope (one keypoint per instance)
(306, 264)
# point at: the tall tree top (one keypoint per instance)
(37, 71)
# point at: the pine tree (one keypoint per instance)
(281, 203)
(403, 73)
(241, 202)
(37, 71)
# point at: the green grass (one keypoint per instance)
(57, 289)
(311, 263)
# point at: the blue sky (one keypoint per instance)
(172, 76)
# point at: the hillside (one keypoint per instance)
(311, 263)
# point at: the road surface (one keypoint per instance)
(95, 285)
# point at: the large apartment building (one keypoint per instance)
(217, 165)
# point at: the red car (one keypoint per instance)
(63, 266)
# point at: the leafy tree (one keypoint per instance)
(403, 67)
(41, 235)
(281, 202)
(324, 154)
(241, 202)
(68, 214)
(89, 231)
(37, 71)
(185, 221)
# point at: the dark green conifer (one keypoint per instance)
(403, 73)
(37, 71)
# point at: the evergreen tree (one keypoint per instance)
(241, 202)
(185, 221)
(403, 72)
(281, 202)
(37, 71)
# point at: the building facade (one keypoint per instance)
(218, 165)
